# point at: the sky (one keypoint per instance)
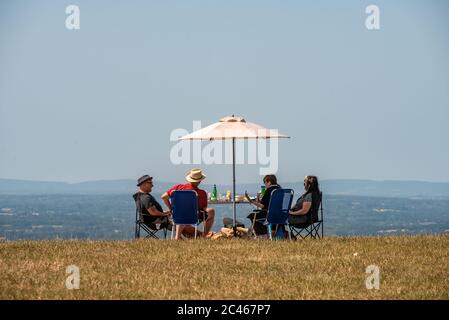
(100, 102)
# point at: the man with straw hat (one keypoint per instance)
(194, 177)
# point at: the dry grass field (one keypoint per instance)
(411, 267)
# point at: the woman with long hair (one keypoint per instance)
(306, 208)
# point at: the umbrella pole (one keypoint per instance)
(233, 187)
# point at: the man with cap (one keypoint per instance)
(194, 177)
(151, 210)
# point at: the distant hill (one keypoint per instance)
(337, 187)
(9, 186)
(387, 188)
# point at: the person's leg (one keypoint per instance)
(279, 231)
(179, 229)
(189, 231)
(259, 227)
(272, 229)
(209, 220)
(166, 223)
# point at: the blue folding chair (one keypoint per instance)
(278, 210)
(184, 209)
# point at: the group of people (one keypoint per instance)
(153, 213)
(300, 214)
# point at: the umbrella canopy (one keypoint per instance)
(233, 128)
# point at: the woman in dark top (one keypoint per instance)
(307, 203)
(270, 182)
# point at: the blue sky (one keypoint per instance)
(101, 102)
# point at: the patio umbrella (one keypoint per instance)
(233, 128)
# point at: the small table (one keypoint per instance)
(226, 201)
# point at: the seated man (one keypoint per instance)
(194, 177)
(150, 209)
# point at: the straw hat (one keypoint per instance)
(195, 175)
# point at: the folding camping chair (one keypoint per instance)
(151, 229)
(184, 209)
(278, 210)
(311, 228)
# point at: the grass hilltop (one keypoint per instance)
(411, 267)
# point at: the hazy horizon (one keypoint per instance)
(205, 182)
(100, 103)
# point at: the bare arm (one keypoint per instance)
(166, 199)
(256, 203)
(155, 212)
(305, 208)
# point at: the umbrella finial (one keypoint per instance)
(232, 119)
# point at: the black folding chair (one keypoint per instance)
(151, 229)
(313, 225)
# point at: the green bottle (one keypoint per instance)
(262, 191)
(213, 196)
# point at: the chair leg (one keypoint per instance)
(252, 226)
(204, 224)
(294, 232)
(322, 227)
(307, 230)
(269, 231)
(151, 235)
(289, 233)
(310, 232)
(317, 231)
(252, 231)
